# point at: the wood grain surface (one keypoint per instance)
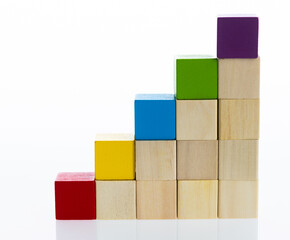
(196, 119)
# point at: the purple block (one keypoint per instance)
(237, 37)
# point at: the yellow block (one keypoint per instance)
(114, 157)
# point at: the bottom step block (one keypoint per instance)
(197, 199)
(75, 197)
(156, 200)
(116, 199)
(238, 199)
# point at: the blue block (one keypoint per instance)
(155, 117)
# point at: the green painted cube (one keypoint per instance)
(196, 78)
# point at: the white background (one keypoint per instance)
(71, 68)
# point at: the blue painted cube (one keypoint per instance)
(155, 117)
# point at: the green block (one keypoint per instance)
(196, 78)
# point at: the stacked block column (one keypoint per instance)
(238, 92)
(115, 176)
(155, 156)
(196, 134)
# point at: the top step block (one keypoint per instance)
(237, 37)
(155, 117)
(196, 78)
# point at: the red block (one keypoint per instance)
(75, 196)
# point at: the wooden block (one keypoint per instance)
(114, 157)
(156, 200)
(155, 117)
(196, 119)
(237, 36)
(238, 199)
(116, 199)
(239, 78)
(239, 119)
(156, 160)
(196, 77)
(197, 160)
(75, 197)
(197, 199)
(238, 159)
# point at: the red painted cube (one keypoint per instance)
(75, 196)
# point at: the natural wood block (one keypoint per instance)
(116, 199)
(114, 157)
(197, 199)
(239, 78)
(196, 119)
(156, 200)
(238, 199)
(197, 160)
(238, 159)
(239, 119)
(155, 160)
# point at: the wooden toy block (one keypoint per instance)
(196, 78)
(239, 119)
(75, 197)
(116, 199)
(197, 160)
(197, 199)
(156, 160)
(237, 37)
(238, 159)
(238, 199)
(239, 78)
(196, 119)
(114, 157)
(156, 200)
(155, 117)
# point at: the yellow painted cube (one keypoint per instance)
(114, 157)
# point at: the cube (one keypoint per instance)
(239, 119)
(75, 197)
(197, 199)
(196, 119)
(239, 78)
(155, 117)
(116, 199)
(238, 159)
(238, 199)
(156, 200)
(156, 160)
(114, 157)
(197, 160)
(196, 78)
(237, 37)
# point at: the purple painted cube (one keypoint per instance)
(237, 37)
